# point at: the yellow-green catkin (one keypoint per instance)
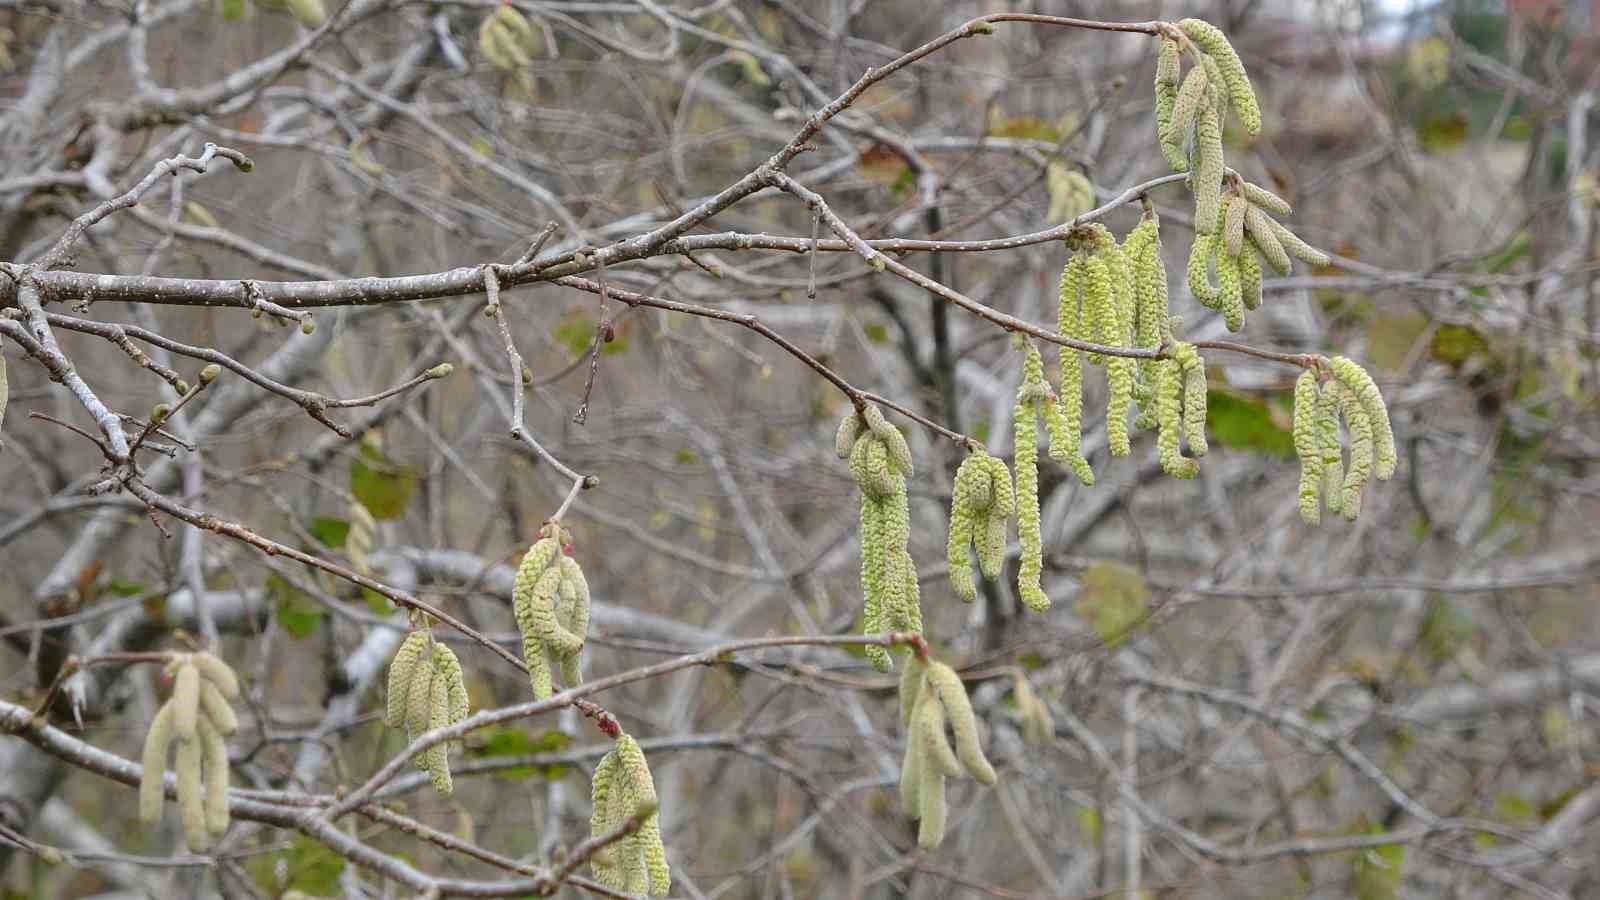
(1359, 424)
(1265, 199)
(1230, 291)
(1071, 194)
(1332, 453)
(156, 744)
(1067, 445)
(1262, 231)
(1169, 421)
(1307, 447)
(938, 698)
(401, 668)
(188, 763)
(217, 672)
(186, 700)
(1152, 322)
(1186, 108)
(1166, 100)
(1352, 376)
(1099, 305)
(1233, 224)
(214, 771)
(552, 625)
(1214, 43)
(1250, 276)
(1200, 256)
(1038, 726)
(1119, 377)
(1193, 369)
(622, 788)
(1208, 172)
(969, 503)
(1030, 394)
(880, 460)
(1294, 246)
(990, 535)
(435, 759)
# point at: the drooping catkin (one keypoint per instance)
(1200, 256)
(1359, 472)
(1233, 224)
(623, 787)
(1166, 99)
(1038, 726)
(215, 709)
(965, 505)
(1193, 368)
(1186, 108)
(1215, 44)
(1119, 375)
(1261, 229)
(1355, 378)
(1332, 454)
(879, 463)
(1307, 447)
(156, 743)
(1208, 172)
(187, 763)
(401, 668)
(990, 538)
(185, 700)
(1169, 416)
(1066, 446)
(1025, 427)
(1099, 305)
(435, 760)
(214, 770)
(910, 687)
(938, 698)
(1071, 194)
(1230, 292)
(1294, 246)
(1152, 320)
(1250, 276)
(1265, 199)
(217, 672)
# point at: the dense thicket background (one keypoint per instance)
(1261, 692)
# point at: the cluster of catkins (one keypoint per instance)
(623, 788)
(551, 603)
(1233, 232)
(1335, 388)
(980, 505)
(506, 39)
(197, 718)
(931, 695)
(1071, 194)
(880, 462)
(427, 690)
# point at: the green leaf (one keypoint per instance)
(513, 741)
(297, 613)
(329, 532)
(1455, 344)
(1245, 423)
(383, 487)
(1443, 133)
(1446, 627)
(1114, 599)
(377, 603)
(575, 331)
(122, 588)
(1089, 824)
(308, 867)
(876, 332)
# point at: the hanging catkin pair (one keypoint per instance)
(1319, 401)
(551, 602)
(1071, 194)
(1152, 317)
(931, 695)
(197, 718)
(506, 39)
(622, 788)
(880, 461)
(427, 690)
(1180, 409)
(1248, 235)
(980, 505)
(1099, 299)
